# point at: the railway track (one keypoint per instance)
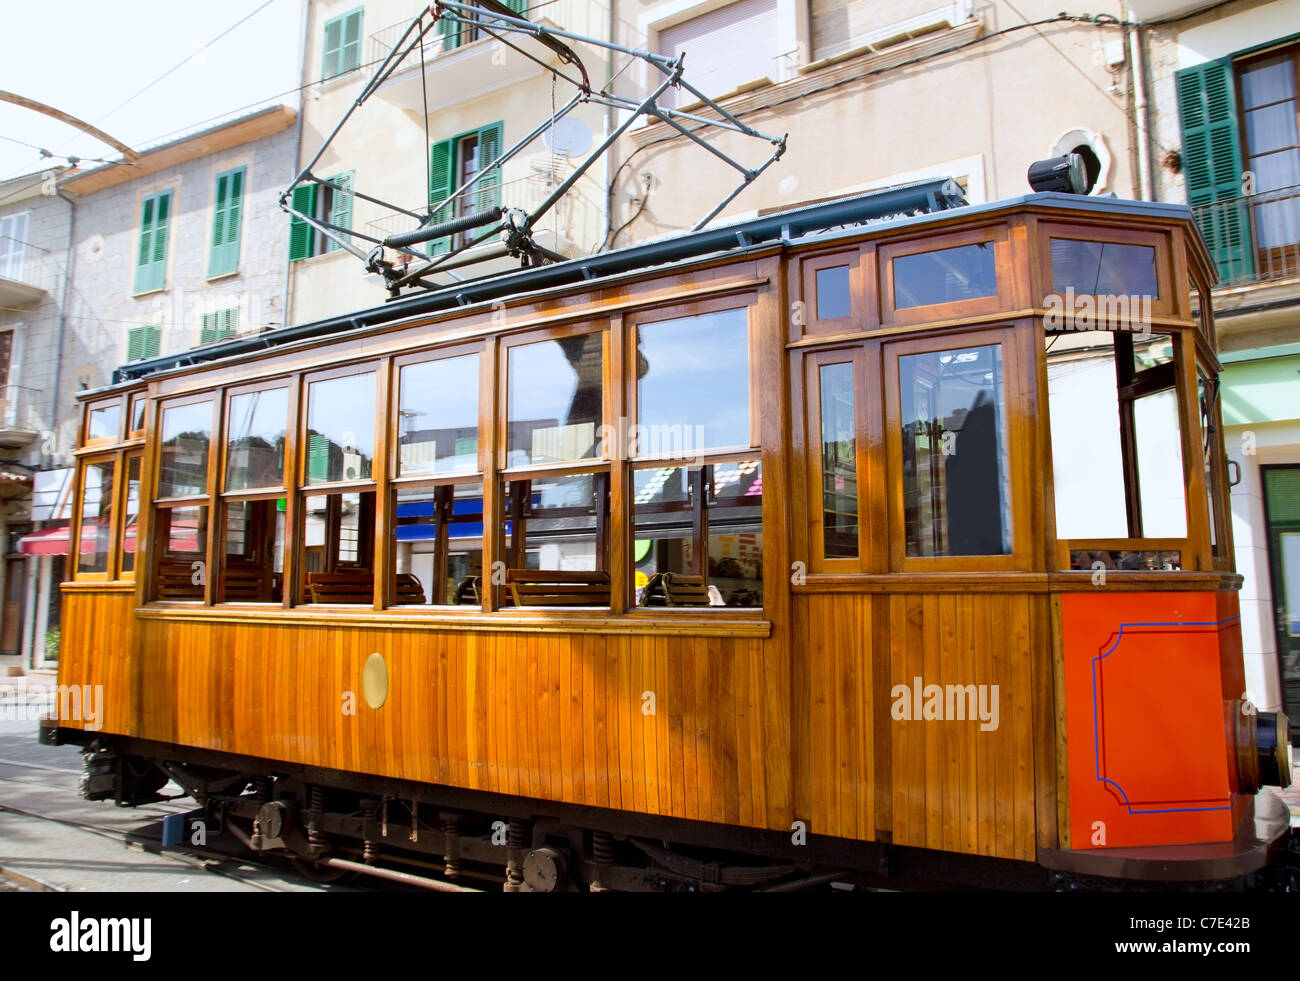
(198, 859)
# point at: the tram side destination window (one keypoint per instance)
(439, 545)
(965, 272)
(1118, 472)
(96, 518)
(834, 293)
(698, 535)
(186, 437)
(555, 400)
(693, 385)
(341, 429)
(438, 417)
(255, 439)
(956, 486)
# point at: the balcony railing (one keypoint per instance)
(1253, 239)
(19, 421)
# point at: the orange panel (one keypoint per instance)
(1145, 710)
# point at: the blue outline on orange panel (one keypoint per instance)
(1096, 728)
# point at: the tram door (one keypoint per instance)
(1282, 520)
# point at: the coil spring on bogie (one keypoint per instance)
(451, 828)
(602, 848)
(518, 836)
(315, 815)
(262, 788)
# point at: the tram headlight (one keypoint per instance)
(1065, 175)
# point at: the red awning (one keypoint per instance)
(54, 541)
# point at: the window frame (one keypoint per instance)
(230, 247)
(1016, 396)
(88, 409)
(84, 463)
(145, 273)
(861, 317)
(1173, 299)
(396, 482)
(1005, 270)
(342, 21)
(205, 499)
(814, 362)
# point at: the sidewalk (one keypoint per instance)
(34, 682)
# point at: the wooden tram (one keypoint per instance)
(744, 559)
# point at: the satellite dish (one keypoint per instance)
(568, 137)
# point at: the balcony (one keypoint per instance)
(21, 277)
(476, 66)
(1254, 240)
(19, 424)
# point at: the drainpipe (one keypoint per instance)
(1146, 190)
(63, 326)
(297, 145)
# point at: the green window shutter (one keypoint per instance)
(143, 342)
(442, 166)
(350, 55)
(450, 34)
(520, 7)
(489, 185)
(219, 325)
(332, 57)
(301, 234)
(340, 207)
(1212, 162)
(227, 214)
(151, 262)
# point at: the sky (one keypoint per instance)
(88, 57)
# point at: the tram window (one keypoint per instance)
(557, 524)
(839, 462)
(439, 545)
(96, 518)
(1118, 471)
(136, 415)
(338, 548)
(1211, 455)
(180, 541)
(129, 525)
(1104, 268)
(965, 272)
(834, 295)
(252, 553)
(105, 422)
(438, 417)
(698, 535)
(956, 487)
(693, 385)
(554, 400)
(341, 429)
(186, 435)
(255, 437)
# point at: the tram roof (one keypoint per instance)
(887, 210)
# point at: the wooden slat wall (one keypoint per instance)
(552, 716)
(96, 649)
(948, 784)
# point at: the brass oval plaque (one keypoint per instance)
(374, 681)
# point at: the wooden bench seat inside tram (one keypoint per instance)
(245, 582)
(543, 587)
(675, 589)
(358, 586)
(176, 580)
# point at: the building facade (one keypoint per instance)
(35, 258)
(185, 246)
